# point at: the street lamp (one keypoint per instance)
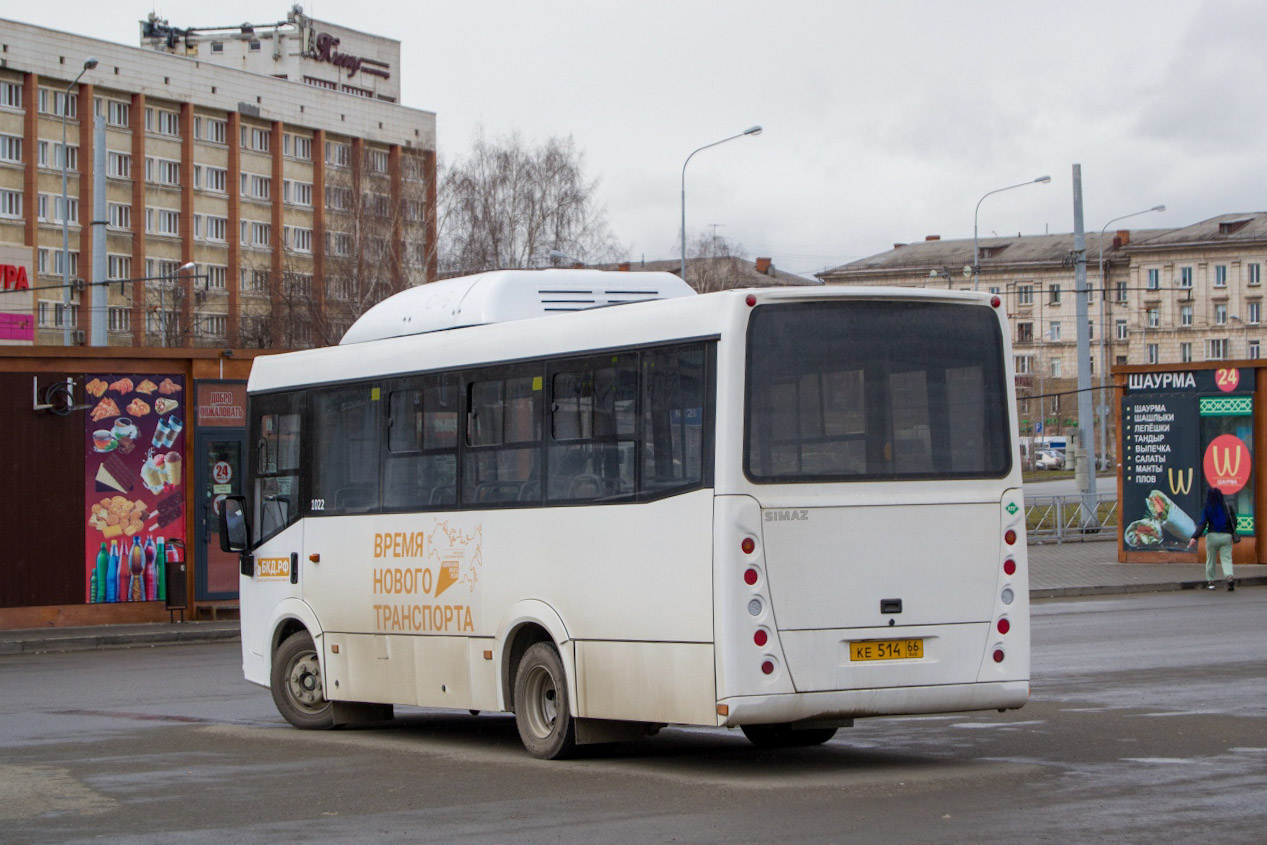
(976, 260)
(752, 130)
(89, 64)
(1104, 361)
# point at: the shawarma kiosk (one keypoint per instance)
(1184, 429)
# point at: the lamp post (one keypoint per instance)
(1104, 361)
(89, 64)
(751, 130)
(976, 260)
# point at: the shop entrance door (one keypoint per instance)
(220, 470)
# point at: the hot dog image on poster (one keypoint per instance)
(134, 484)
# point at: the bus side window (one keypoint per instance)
(420, 470)
(346, 437)
(673, 424)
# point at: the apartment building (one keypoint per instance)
(1182, 295)
(247, 200)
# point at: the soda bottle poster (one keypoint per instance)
(134, 502)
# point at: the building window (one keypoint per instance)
(11, 149)
(1253, 349)
(54, 155)
(217, 179)
(217, 46)
(218, 229)
(297, 193)
(1185, 352)
(120, 319)
(1154, 318)
(162, 171)
(58, 104)
(10, 95)
(120, 215)
(338, 155)
(253, 281)
(338, 199)
(162, 122)
(1154, 354)
(300, 240)
(162, 221)
(1122, 331)
(1121, 291)
(1185, 277)
(212, 325)
(1090, 330)
(1220, 314)
(1025, 295)
(261, 187)
(1053, 330)
(210, 129)
(260, 233)
(377, 161)
(217, 277)
(1255, 274)
(258, 140)
(10, 204)
(1024, 364)
(340, 244)
(302, 148)
(1216, 349)
(1056, 365)
(298, 284)
(1253, 311)
(119, 266)
(1185, 315)
(59, 209)
(1154, 279)
(1220, 275)
(118, 165)
(118, 114)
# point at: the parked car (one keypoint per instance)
(1049, 459)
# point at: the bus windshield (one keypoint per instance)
(871, 390)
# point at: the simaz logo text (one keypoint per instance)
(786, 516)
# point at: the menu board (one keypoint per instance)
(1159, 454)
(1171, 451)
(134, 502)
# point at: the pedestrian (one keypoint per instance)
(1218, 521)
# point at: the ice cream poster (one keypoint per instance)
(134, 496)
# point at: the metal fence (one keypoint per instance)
(1061, 519)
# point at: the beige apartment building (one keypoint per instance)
(263, 186)
(1180, 295)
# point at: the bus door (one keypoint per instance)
(275, 441)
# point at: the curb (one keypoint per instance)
(1123, 589)
(43, 642)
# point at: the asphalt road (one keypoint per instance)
(1148, 723)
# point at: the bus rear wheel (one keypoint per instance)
(542, 713)
(297, 687)
(784, 736)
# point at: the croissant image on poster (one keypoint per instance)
(134, 500)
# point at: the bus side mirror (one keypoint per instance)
(235, 533)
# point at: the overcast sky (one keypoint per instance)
(884, 121)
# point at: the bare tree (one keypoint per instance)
(508, 204)
(713, 263)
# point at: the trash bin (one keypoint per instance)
(176, 579)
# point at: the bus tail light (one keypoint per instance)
(750, 577)
(748, 545)
(998, 655)
(995, 302)
(1004, 626)
(1009, 566)
(767, 667)
(1009, 537)
(751, 299)
(760, 637)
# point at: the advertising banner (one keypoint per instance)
(134, 501)
(1183, 432)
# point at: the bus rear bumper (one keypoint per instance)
(840, 705)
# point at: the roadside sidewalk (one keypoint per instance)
(1057, 570)
(1091, 569)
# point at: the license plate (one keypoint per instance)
(886, 650)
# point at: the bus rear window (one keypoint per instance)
(844, 391)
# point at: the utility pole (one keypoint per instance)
(1084, 469)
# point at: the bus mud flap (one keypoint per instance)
(594, 731)
(359, 713)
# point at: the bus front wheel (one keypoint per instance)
(542, 713)
(784, 736)
(297, 687)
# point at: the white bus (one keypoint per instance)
(775, 509)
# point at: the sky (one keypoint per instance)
(884, 121)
